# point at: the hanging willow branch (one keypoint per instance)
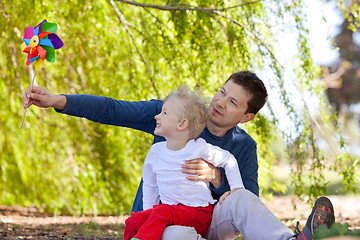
(126, 26)
(189, 8)
(215, 11)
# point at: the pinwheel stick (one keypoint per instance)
(31, 87)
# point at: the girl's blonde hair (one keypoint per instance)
(195, 108)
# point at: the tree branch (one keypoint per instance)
(190, 8)
(155, 47)
(256, 36)
(126, 26)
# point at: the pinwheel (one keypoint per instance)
(41, 43)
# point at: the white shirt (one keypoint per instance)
(163, 179)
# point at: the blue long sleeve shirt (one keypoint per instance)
(140, 115)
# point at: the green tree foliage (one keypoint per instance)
(350, 10)
(137, 51)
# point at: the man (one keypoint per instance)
(238, 101)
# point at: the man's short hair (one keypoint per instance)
(253, 86)
(195, 108)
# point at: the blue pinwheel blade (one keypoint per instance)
(46, 42)
(27, 41)
(33, 59)
(36, 31)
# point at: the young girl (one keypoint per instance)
(183, 117)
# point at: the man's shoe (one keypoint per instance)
(322, 213)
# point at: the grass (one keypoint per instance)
(93, 229)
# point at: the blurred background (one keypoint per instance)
(306, 52)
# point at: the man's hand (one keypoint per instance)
(226, 194)
(42, 98)
(202, 171)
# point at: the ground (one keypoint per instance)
(28, 223)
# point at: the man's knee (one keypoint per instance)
(176, 232)
(240, 197)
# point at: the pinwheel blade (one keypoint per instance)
(34, 53)
(32, 59)
(27, 50)
(41, 51)
(46, 42)
(50, 55)
(43, 35)
(39, 64)
(26, 41)
(49, 27)
(29, 33)
(28, 61)
(36, 31)
(56, 41)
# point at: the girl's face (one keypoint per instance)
(168, 120)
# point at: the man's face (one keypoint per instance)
(168, 121)
(229, 105)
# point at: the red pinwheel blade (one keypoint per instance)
(34, 53)
(42, 52)
(43, 34)
(27, 50)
